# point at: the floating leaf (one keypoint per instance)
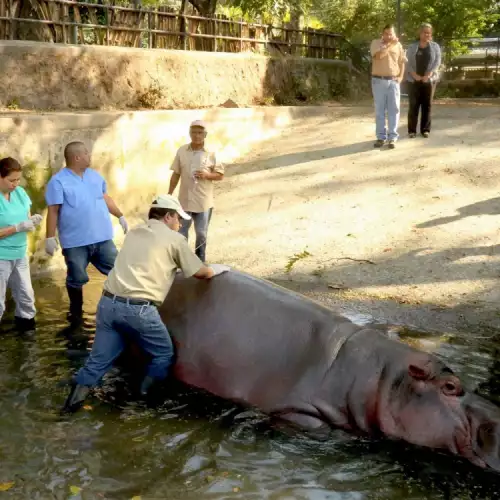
(236, 489)
(6, 486)
(137, 497)
(75, 490)
(87, 407)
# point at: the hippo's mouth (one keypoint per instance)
(479, 445)
(486, 446)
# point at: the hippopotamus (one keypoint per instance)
(260, 345)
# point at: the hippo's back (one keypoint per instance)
(246, 339)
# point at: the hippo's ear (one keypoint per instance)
(420, 369)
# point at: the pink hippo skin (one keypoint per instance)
(258, 344)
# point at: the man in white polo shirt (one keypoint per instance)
(140, 280)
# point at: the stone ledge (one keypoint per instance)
(45, 76)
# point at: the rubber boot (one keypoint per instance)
(75, 399)
(25, 325)
(75, 315)
(146, 385)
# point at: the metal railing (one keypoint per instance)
(471, 56)
(69, 21)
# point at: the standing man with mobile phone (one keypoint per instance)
(197, 168)
(388, 66)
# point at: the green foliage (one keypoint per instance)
(358, 20)
(269, 11)
(293, 260)
(362, 20)
(35, 179)
(13, 104)
(450, 18)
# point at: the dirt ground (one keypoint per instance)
(403, 234)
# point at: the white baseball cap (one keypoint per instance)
(170, 202)
(198, 123)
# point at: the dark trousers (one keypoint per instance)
(420, 99)
(117, 321)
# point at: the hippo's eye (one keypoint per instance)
(452, 388)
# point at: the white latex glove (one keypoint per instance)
(25, 226)
(36, 219)
(220, 268)
(123, 224)
(51, 245)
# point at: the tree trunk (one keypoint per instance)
(205, 8)
(182, 25)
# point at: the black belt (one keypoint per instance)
(132, 302)
(385, 77)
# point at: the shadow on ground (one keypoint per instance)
(287, 160)
(486, 207)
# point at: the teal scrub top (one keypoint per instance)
(12, 212)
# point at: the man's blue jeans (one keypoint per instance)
(387, 97)
(201, 221)
(118, 321)
(102, 255)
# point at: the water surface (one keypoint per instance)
(194, 446)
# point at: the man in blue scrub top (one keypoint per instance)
(79, 208)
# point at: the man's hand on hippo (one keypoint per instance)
(219, 268)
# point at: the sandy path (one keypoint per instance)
(426, 214)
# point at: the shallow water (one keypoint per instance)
(194, 446)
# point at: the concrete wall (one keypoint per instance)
(132, 150)
(47, 76)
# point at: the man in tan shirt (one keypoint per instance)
(388, 64)
(197, 169)
(141, 278)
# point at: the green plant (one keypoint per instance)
(295, 258)
(14, 104)
(35, 179)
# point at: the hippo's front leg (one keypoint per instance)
(310, 419)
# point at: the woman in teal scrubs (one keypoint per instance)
(15, 223)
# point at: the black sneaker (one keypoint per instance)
(425, 134)
(392, 144)
(412, 135)
(379, 143)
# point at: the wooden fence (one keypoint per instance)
(68, 21)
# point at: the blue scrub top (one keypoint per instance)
(84, 217)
